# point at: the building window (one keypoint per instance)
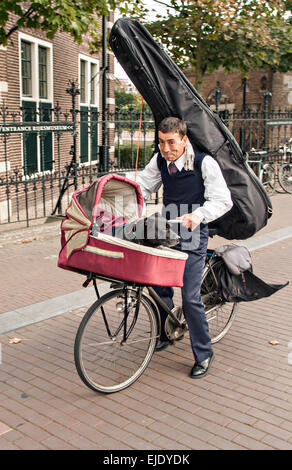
(36, 93)
(26, 71)
(36, 68)
(88, 79)
(83, 81)
(43, 73)
(93, 82)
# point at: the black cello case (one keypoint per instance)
(169, 93)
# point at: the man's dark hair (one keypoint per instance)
(173, 124)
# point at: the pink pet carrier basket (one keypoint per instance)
(110, 201)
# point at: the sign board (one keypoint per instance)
(17, 127)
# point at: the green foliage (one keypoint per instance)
(201, 35)
(240, 35)
(123, 99)
(126, 155)
(76, 17)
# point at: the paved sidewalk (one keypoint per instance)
(245, 401)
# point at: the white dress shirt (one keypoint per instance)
(217, 195)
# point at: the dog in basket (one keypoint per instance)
(151, 231)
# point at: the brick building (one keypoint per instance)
(34, 75)
(230, 88)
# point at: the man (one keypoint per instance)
(194, 188)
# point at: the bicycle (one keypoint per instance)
(264, 171)
(285, 170)
(117, 336)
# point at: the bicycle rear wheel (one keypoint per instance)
(105, 361)
(220, 315)
(285, 177)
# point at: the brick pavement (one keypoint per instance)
(243, 403)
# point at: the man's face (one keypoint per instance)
(171, 145)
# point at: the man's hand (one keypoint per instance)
(190, 220)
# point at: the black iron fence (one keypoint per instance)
(261, 129)
(47, 152)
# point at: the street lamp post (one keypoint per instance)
(266, 95)
(218, 94)
(244, 88)
(103, 154)
(243, 114)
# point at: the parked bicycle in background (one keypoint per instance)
(273, 169)
(258, 162)
(285, 170)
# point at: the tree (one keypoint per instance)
(199, 34)
(239, 35)
(123, 99)
(126, 101)
(76, 17)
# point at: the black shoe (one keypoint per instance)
(162, 344)
(201, 369)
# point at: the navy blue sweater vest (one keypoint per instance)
(185, 189)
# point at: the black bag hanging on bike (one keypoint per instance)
(237, 282)
(245, 286)
(168, 93)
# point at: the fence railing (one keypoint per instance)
(46, 153)
(260, 129)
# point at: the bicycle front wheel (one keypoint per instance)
(220, 315)
(285, 177)
(269, 178)
(112, 350)
(278, 187)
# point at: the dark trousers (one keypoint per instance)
(193, 307)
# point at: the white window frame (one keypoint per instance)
(36, 42)
(88, 61)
